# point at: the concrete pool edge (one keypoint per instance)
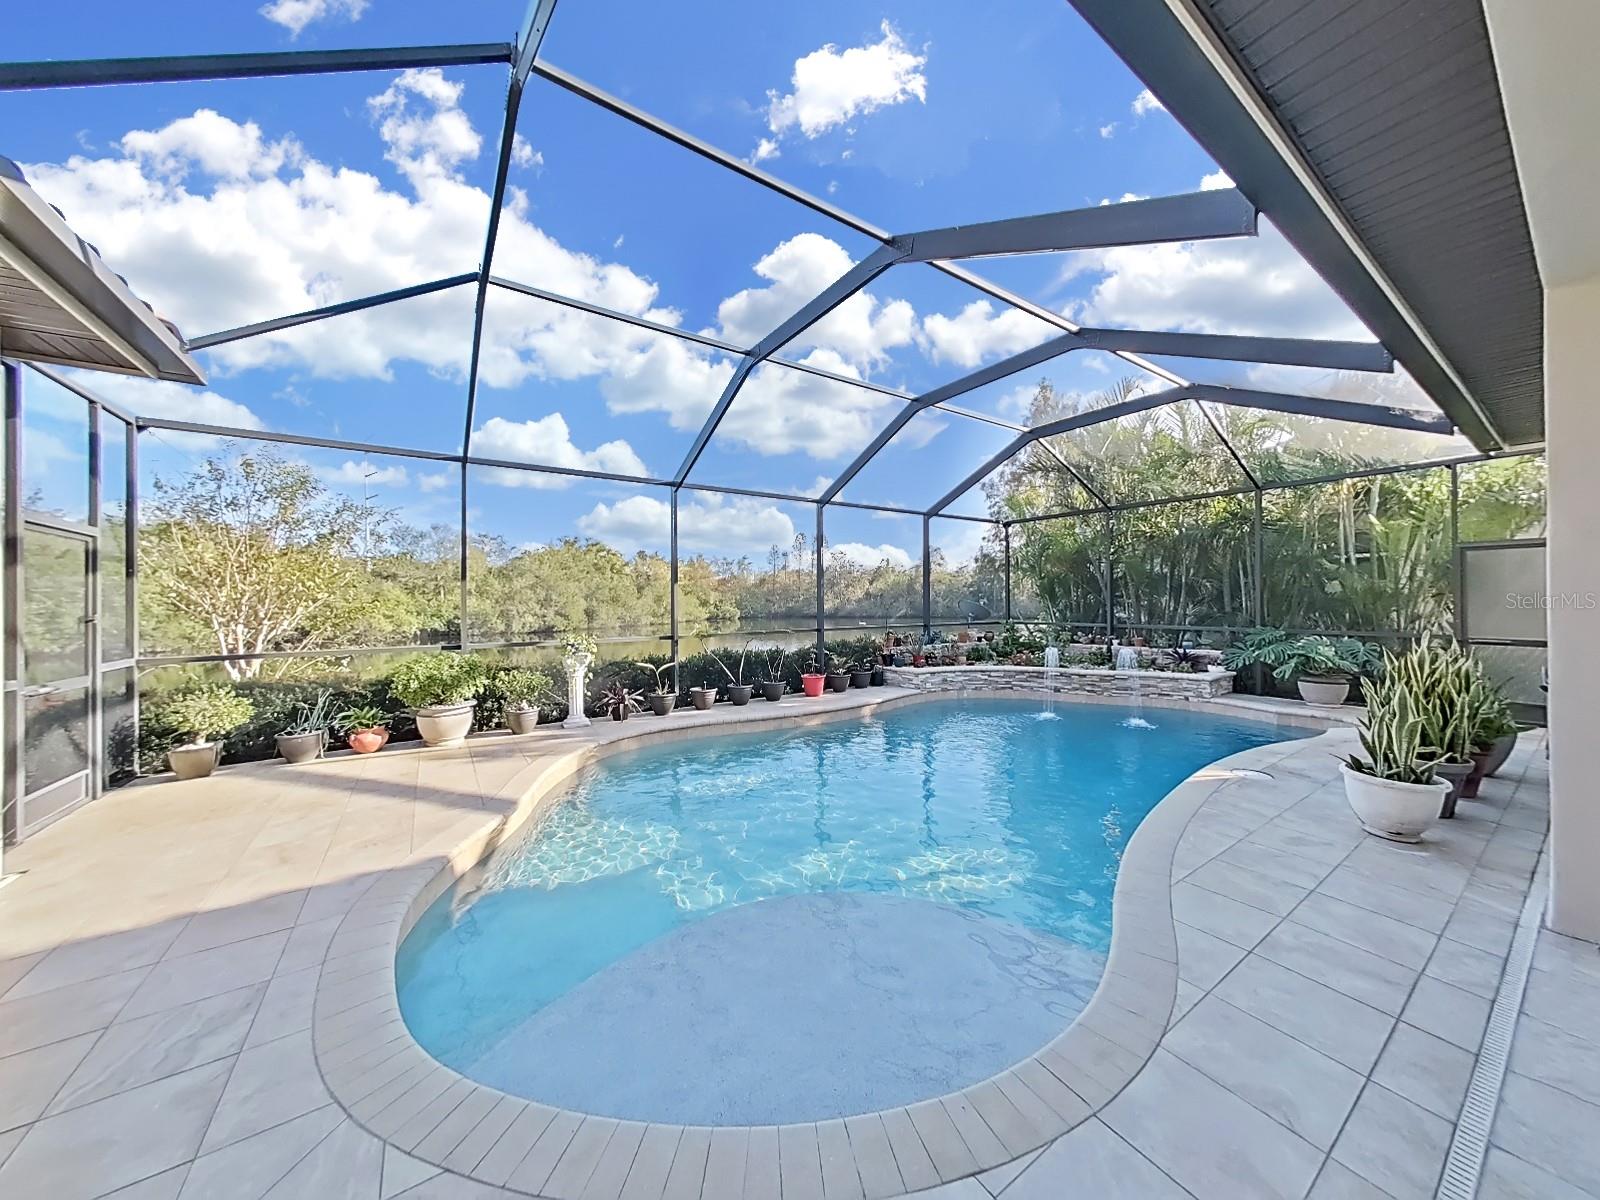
(390, 1086)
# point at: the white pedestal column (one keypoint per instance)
(577, 671)
(1572, 428)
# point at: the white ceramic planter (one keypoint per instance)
(445, 724)
(1400, 812)
(196, 761)
(1323, 691)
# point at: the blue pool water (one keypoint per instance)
(978, 813)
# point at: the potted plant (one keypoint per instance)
(617, 702)
(771, 684)
(1449, 701)
(1392, 790)
(738, 690)
(305, 737)
(520, 689)
(662, 699)
(813, 679)
(704, 696)
(1320, 666)
(577, 656)
(860, 674)
(441, 690)
(205, 713)
(1495, 739)
(838, 674)
(877, 677)
(365, 728)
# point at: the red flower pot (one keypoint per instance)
(365, 741)
(813, 684)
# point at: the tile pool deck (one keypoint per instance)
(196, 999)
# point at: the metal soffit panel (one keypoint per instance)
(1396, 106)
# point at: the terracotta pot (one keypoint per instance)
(302, 747)
(919, 660)
(368, 741)
(702, 698)
(522, 720)
(662, 703)
(838, 681)
(196, 761)
(813, 684)
(771, 689)
(739, 694)
(861, 679)
(445, 724)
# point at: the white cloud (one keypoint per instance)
(1146, 102)
(1108, 130)
(218, 225)
(833, 86)
(1215, 181)
(365, 474)
(766, 148)
(960, 540)
(1240, 285)
(862, 330)
(435, 481)
(978, 332)
(523, 154)
(863, 555)
(708, 523)
(172, 401)
(295, 15)
(547, 442)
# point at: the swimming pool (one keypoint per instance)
(873, 911)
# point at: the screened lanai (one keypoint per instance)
(510, 333)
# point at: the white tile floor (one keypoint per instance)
(193, 981)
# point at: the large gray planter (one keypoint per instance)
(302, 747)
(445, 724)
(1499, 751)
(196, 761)
(1325, 691)
(522, 720)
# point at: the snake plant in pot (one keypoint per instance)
(1450, 700)
(1391, 787)
(306, 735)
(661, 698)
(739, 691)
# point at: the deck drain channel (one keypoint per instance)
(1470, 1143)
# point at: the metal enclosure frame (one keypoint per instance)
(1220, 213)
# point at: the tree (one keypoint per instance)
(245, 553)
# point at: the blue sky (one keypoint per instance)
(227, 203)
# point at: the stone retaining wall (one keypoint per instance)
(1080, 680)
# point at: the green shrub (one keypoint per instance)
(438, 678)
(512, 687)
(207, 712)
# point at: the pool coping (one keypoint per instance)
(390, 1086)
